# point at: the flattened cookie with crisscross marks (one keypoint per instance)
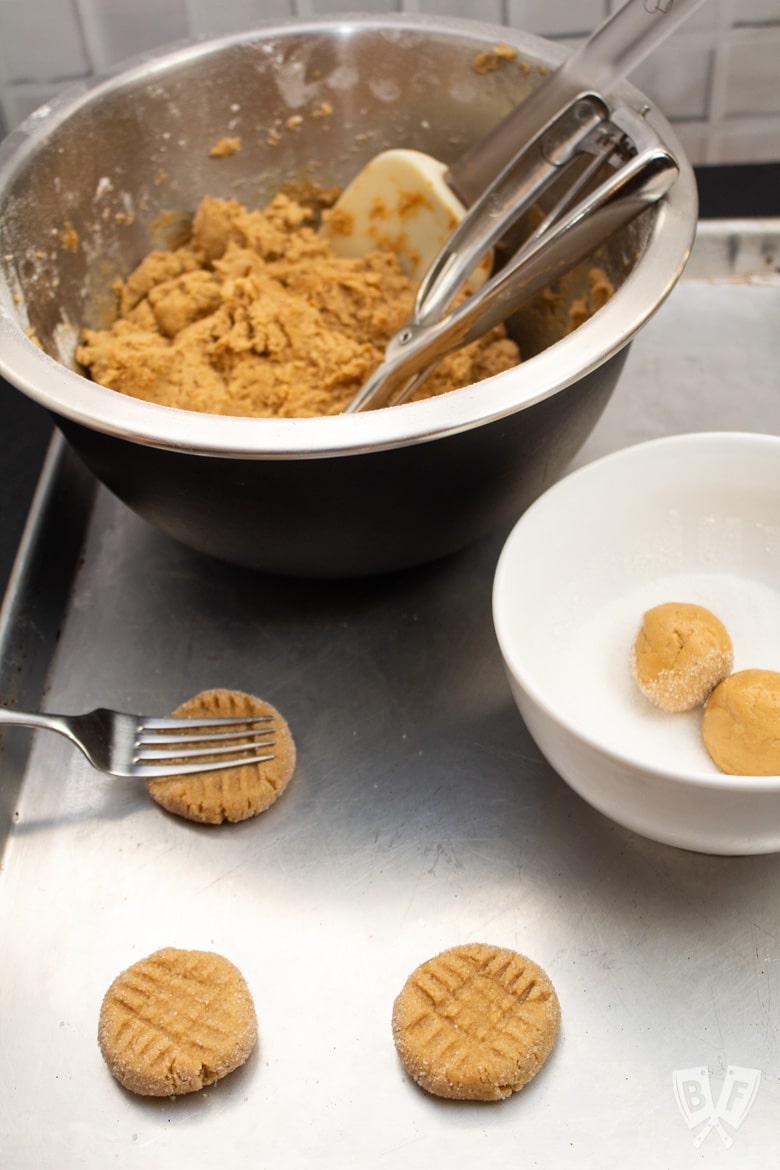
(175, 1022)
(476, 1022)
(229, 794)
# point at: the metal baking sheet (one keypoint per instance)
(421, 815)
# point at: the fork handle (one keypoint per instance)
(48, 722)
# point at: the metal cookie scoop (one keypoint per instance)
(569, 232)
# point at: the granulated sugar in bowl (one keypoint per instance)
(692, 518)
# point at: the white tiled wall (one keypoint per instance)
(717, 78)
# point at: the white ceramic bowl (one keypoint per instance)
(689, 518)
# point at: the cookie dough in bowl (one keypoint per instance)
(692, 517)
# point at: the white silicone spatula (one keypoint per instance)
(412, 202)
(400, 200)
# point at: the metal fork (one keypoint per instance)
(126, 745)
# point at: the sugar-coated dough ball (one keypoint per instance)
(681, 652)
(741, 724)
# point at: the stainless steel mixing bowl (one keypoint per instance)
(91, 183)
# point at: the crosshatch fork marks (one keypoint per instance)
(479, 998)
(176, 1021)
(476, 1021)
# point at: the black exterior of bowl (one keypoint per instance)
(355, 515)
(123, 163)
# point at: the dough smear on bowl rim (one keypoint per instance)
(255, 316)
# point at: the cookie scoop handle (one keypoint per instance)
(609, 54)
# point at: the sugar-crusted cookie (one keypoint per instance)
(475, 1022)
(741, 724)
(176, 1021)
(230, 794)
(681, 652)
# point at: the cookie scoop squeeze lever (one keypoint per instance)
(435, 329)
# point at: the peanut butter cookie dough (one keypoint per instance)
(175, 1022)
(254, 315)
(476, 1022)
(741, 724)
(681, 652)
(229, 794)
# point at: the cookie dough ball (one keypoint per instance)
(476, 1022)
(175, 1022)
(229, 794)
(681, 652)
(741, 724)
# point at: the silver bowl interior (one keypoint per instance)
(89, 185)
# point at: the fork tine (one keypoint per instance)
(184, 723)
(150, 771)
(158, 737)
(182, 753)
(222, 742)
